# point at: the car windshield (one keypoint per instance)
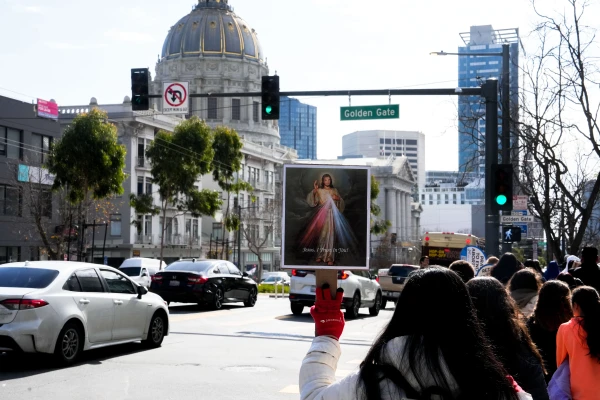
(272, 279)
(19, 277)
(131, 271)
(402, 271)
(190, 266)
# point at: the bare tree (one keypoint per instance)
(558, 127)
(258, 226)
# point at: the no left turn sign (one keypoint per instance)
(175, 98)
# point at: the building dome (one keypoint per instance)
(212, 29)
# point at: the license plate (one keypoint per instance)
(393, 294)
(313, 289)
(174, 283)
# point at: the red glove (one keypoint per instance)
(327, 313)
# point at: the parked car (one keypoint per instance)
(392, 281)
(360, 290)
(273, 282)
(64, 308)
(141, 270)
(205, 282)
(282, 276)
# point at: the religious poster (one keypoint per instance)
(326, 216)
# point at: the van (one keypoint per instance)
(141, 269)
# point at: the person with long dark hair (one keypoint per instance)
(579, 341)
(433, 345)
(508, 335)
(553, 309)
(524, 288)
(506, 267)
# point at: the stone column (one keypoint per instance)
(401, 211)
(398, 215)
(408, 215)
(390, 209)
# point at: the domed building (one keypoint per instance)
(216, 51)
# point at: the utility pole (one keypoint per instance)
(506, 116)
(239, 237)
(492, 222)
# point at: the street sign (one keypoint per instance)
(175, 99)
(520, 202)
(511, 234)
(519, 212)
(390, 111)
(474, 255)
(516, 219)
(524, 229)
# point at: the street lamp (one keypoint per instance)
(505, 98)
(492, 219)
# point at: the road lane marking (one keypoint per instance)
(292, 389)
(203, 315)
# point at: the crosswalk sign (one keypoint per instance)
(511, 234)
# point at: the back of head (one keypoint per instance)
(525, 279)
(568, 279)
(589, 255)
(492, 260)
(506, 268)
(588, 300)
(554, 305)
(435, 313)
(533, 264)
(498, 313)
(464, 269)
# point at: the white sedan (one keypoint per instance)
(64, 308)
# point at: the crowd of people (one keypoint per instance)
(521, 333)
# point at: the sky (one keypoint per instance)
(72, 50)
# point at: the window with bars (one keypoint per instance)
(212, 108)
(236, 109)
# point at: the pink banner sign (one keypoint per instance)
(47, 109)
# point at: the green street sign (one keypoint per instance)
(390, 111)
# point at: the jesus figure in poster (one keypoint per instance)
(328, 223)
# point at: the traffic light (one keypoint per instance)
(511, 234)
(270, 97)
(139, 89)
(502, 187)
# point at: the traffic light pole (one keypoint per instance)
(506, 115)
(492, 223)
(489, 91)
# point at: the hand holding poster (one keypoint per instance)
(326, 217)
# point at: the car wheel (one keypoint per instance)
(251, 298)
(374, 311)
(69, 344)
(156, 331)
(383, 303)
(297, 308)
(352, 311)
(218, 298)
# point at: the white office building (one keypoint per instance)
(384, 143)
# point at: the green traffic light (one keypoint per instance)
(268, 109)
(501, 200)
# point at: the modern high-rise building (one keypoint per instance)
(472, 72)
(298, 127)
(383, 143)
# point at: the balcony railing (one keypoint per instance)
(143, 239)
(142, 162)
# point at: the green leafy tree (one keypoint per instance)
(88, 162)
(227, 161)
(177, 161)
(378, 227)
